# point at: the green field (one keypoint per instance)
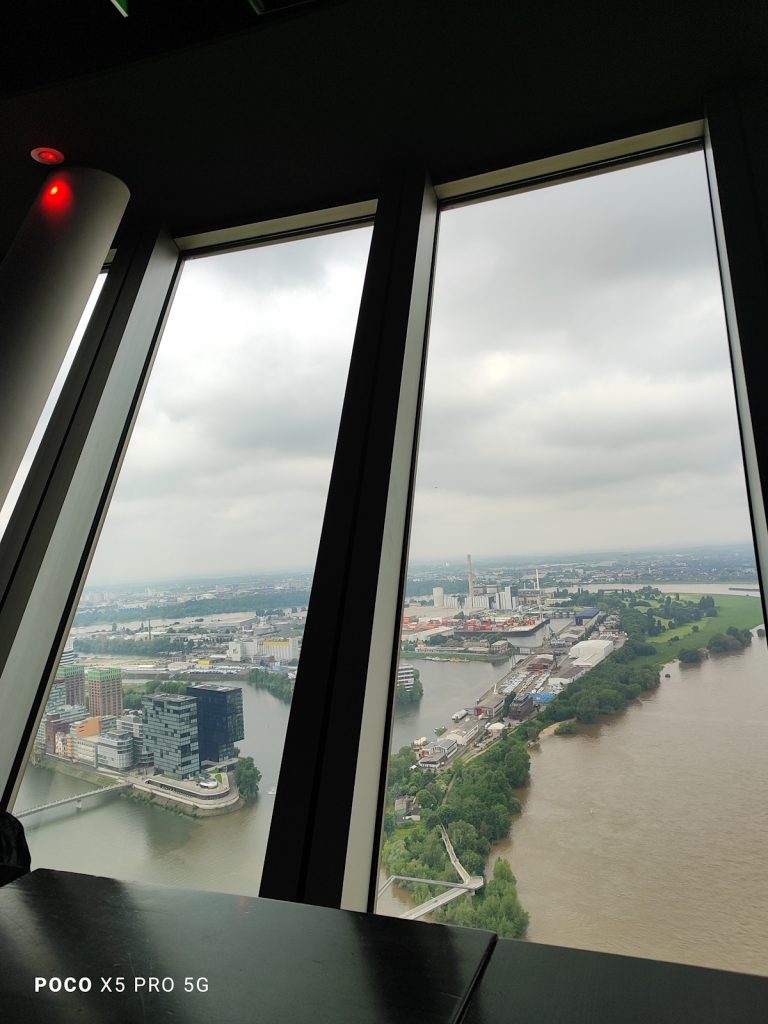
(743, 612)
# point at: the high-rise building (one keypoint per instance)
(171, 734)
(73, 678)
(105, 691)
(219, 719)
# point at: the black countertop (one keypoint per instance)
(220, 958)
(528, 983)
(264, 961)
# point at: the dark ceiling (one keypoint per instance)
(213, 114)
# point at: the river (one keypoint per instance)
(647, 833)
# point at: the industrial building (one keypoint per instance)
(585, 615)
(521, 706)
(228, 128)
(277, 648)
(589, 653)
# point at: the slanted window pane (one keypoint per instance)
(178, 674)
(580, 440)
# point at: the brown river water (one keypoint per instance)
(648, 833)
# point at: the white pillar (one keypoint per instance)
(45, 281)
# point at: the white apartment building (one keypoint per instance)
(405, 676)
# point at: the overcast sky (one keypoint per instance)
(578, 393)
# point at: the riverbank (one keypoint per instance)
(454, 656)
(179, 805)
(76, 771)
(644, 834)
(192, 804)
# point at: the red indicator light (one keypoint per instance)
(47, 155)
(57, 196)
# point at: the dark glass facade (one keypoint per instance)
(219, 719)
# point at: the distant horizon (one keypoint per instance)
(452, 560)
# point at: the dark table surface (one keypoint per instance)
(261, 961)
(528, 983)
(265, 961)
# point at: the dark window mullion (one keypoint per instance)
(737, 167)
(313, 815)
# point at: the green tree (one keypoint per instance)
(247, 777)
(566, 729)
(587, 707)
(689, 656)
(496, 906)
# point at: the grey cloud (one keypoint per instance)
(577, 392)
(292, 265)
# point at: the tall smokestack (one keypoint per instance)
(470, 576)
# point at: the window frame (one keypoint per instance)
(324, 841)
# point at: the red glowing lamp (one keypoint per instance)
(47, 155)
(57, 196)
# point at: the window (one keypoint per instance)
(580, 439)
(176, 681)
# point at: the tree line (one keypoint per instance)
(258, 604)
(279, 684)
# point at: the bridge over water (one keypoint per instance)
(454, 889)
(73, 799)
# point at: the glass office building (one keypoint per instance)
(219, 719)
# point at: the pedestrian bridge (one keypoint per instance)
(454, 889)
(78, 798)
